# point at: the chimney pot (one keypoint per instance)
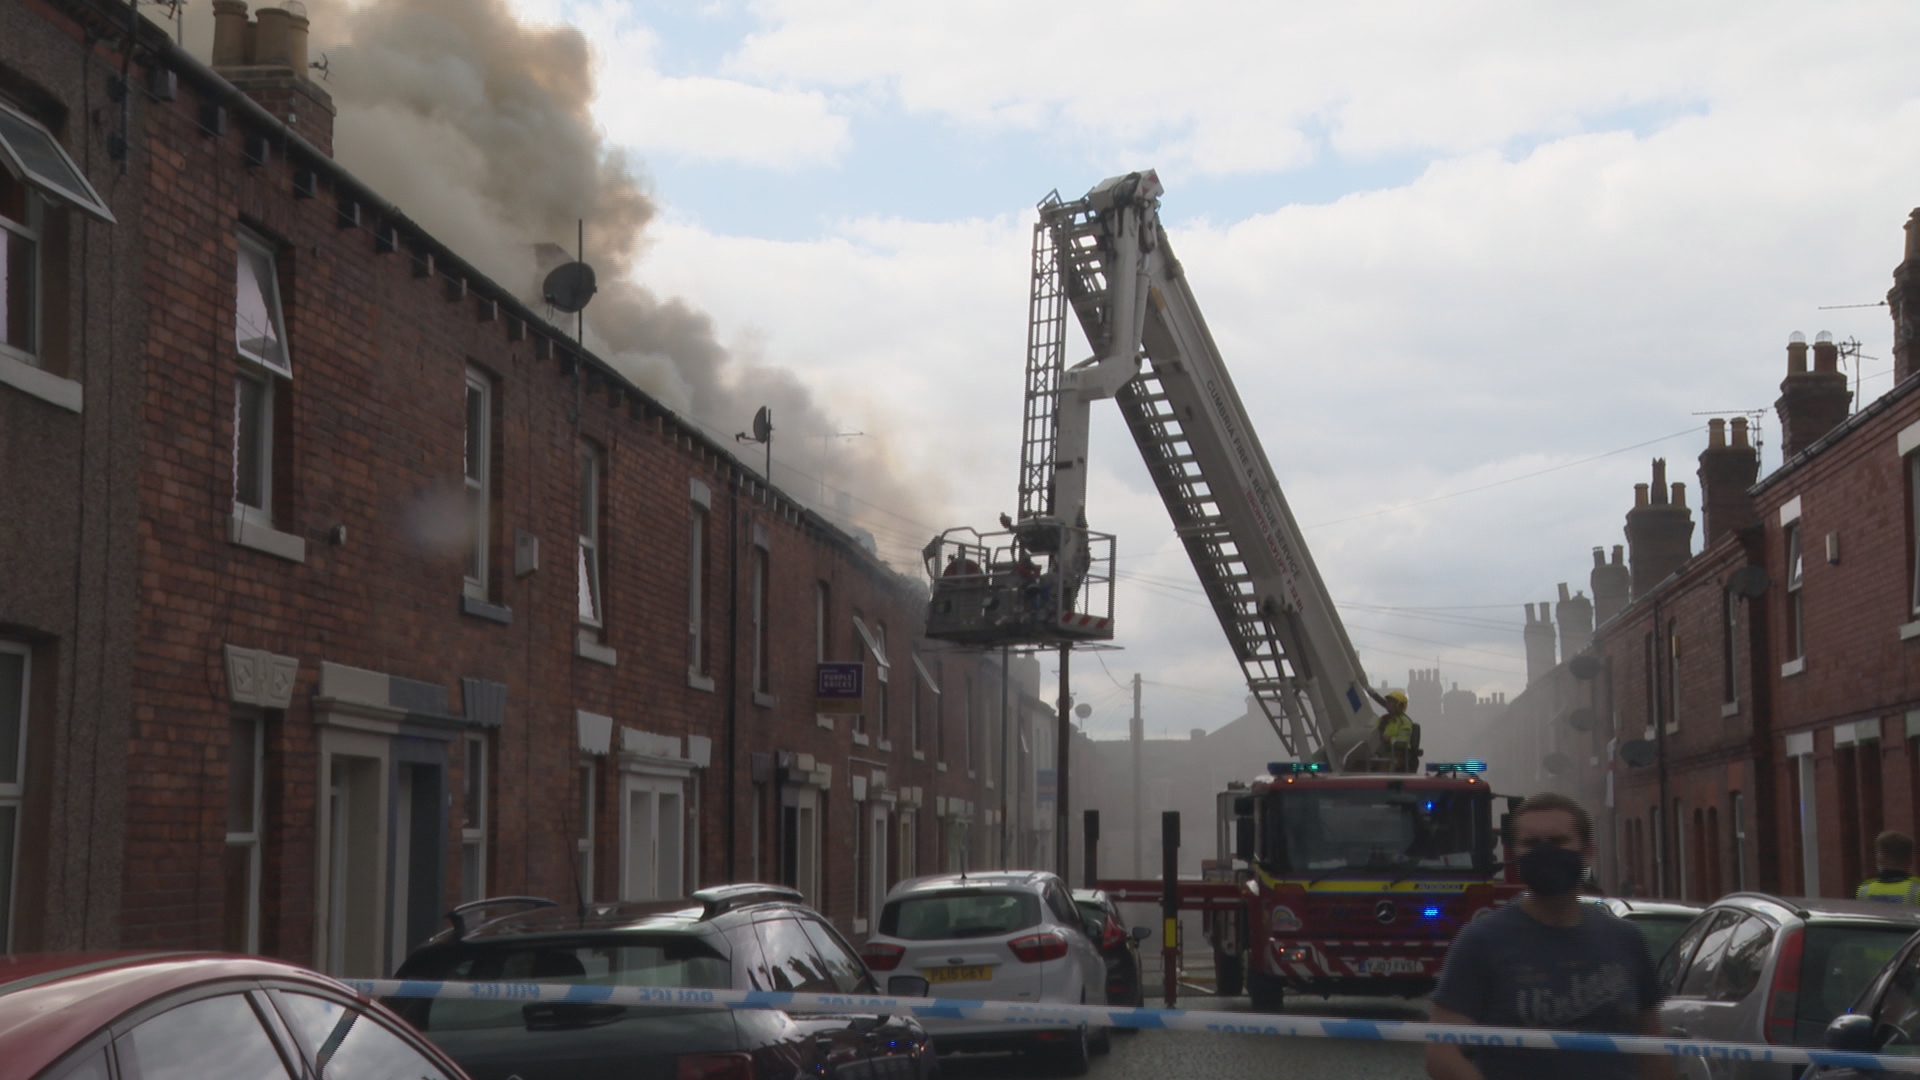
(1659, 481)
(297, 26)
(1599, 557)
(1716, 433)
(1913, 235)
(270, 37)
(1796, 353)
(1564, 594)
(1826, 354)
(1619, 554)
(1679, 494)
(229, 33)
(1740, 432)
(1639, 497)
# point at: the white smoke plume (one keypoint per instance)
(478, 126)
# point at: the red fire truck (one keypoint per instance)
(1343, 883)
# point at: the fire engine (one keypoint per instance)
(1346, 869)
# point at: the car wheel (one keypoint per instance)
(1069, 1057)
(1229, 974)
(1268, 994)
(1101, 1042)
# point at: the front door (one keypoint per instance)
(652, 826)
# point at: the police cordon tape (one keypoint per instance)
(1043, 1015)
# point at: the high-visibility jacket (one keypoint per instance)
(1904, 891)
(1396, 729)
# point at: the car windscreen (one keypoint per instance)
(1836, 963)
(1324, 831)
(677, 961)
(1661, 931)
(968, 913)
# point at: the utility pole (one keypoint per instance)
(1136, 732)
(1062, 865)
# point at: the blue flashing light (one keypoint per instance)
(1449, 767)
(1295, 767)
(1430, 913)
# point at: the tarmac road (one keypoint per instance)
(1159, 1055)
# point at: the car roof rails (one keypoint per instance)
(459, 915)
(724, 898)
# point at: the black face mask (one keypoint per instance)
(1551, 870)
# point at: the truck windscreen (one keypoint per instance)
(1331, 831)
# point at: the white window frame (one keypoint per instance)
(251, 840)
(656, 789)
(1912, 462)
(13, 791)
(32, 231)
(1673, 676)
(473, 836)
(808, 809)
(909, 845)
(881, 730)
(760, 622)
(1738, 811)
(590, 576)
(266, 374)
(926, 679)
(16, 126)
(1796, 578)
(478, 478)
(822, 621)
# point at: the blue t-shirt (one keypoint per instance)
(1512, 970)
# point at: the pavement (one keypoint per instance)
(1157, 1055)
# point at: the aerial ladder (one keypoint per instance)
(1045, 578)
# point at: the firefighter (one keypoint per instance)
(1895, 883)
(1396, 732)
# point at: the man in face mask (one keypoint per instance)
(1548, 961)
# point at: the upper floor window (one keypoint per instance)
(591, 588)
(1796, 630)
(1729, 636)
(1913, 528)
(20, 221)
(822, 620)
(762, 644)
(697, 592)
(259, 381)
(15, 669)
(1673, 675)
(478, 470)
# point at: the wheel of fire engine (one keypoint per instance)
(1101, 1042)
(1229, 974)
(1068, 1057)
(1268, 994)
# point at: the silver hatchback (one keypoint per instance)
(1757, 968)
(1006, 935)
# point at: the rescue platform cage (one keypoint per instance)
(993, 590)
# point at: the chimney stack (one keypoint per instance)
(1610, 583)
(1539, 642)
(1424, 693)
(1727, 470)
(1659, 533)
(1903, 304)
(266, 59)
(1575, 615)
(1811, 403)
(1459, 709)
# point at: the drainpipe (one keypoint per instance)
(1669, 829)
(733, 676)
(1763, 817)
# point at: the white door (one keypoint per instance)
(878, 833)
(653, 820)
(806, 846)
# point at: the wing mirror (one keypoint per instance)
(1852, 1032)
(1141, 933)
(907, 986)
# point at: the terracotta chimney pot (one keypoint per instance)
(270, 37)
(229, 33)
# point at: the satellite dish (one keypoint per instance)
(1557, 763)
(569, 287)
(1083, 711)
(1584, 666)
(1582, 719)
(1638, 752)
(763, 424)
(1748, 581)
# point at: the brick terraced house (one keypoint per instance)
(1749, 716)
(337, 587)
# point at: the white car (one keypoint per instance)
(1003, 935)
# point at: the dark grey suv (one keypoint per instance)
(738, 937)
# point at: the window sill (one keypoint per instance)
(480, 609)
(940, 766)
(261, 538)
(971, 774)
(1793, 667)
(586, 648)
(883, 745)
(1731, 708)
(859, 739)
(859, 926)
(823, 720)
(1910, 631)
(765, 701)
(48, 387)
(989, 785)
(1673, 728)
(699, 681)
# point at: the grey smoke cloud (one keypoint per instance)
(479, 127)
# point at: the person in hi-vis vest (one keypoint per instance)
(1895, 883)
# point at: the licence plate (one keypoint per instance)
(979, 973)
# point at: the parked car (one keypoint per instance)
(1885, 1019)
(1758, 968)
(1008, 935)
(1119, 947)
(211, 1017)
(1661, 922)
(736, 937)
